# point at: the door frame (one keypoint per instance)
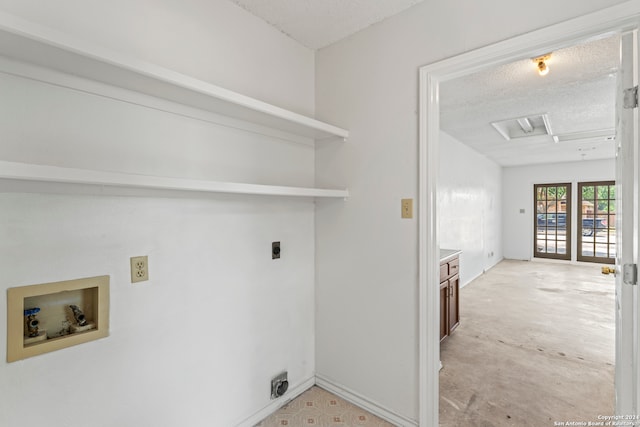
(616, 19)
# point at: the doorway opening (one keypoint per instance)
(526, 323)
(579, 30)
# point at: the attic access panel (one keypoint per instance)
(523, 127)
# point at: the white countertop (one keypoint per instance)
(445, 254)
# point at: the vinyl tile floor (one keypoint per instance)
(319, 408)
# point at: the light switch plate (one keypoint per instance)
(407, 208)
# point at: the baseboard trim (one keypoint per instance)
(495, 263)
(363, 402)
(462, 285)
(272, 407)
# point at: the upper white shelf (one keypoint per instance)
(44, 47)
(45, 173)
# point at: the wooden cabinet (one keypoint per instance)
(449, 291)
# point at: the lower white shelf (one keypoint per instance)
(43, 173)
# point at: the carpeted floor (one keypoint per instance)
(535, 346)
(319, 408)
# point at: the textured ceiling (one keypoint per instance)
(318, 23)
(578, 95)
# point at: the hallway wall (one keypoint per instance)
(367, 256)
(469, 207)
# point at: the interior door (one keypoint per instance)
(627, 237)
(444, 309)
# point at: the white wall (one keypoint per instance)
(198, 343)
(469, 207)
(367, 263)
(215, 41)
(518, 194)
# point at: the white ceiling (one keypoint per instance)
(319, 23)
(578, 95)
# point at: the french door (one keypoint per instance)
(596, 222)
(552, 224)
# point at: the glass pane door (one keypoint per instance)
(552, 223)
(597, 219)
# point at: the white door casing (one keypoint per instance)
(623, 18)
(627, 383)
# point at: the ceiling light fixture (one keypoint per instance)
(525, 124)
(541, 62)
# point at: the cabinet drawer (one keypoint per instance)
(444, 272)
(454, 267)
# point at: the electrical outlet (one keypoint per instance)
(407, 208)
(139, 269)
(279, 385)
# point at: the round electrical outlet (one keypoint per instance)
(279, 385)
(281, 388)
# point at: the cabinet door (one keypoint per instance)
(444, 309)
(453, 303)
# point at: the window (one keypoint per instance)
(552, 224)
(597, 217)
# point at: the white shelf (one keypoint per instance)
(27, 42)
(44, 173)
(48, 49)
